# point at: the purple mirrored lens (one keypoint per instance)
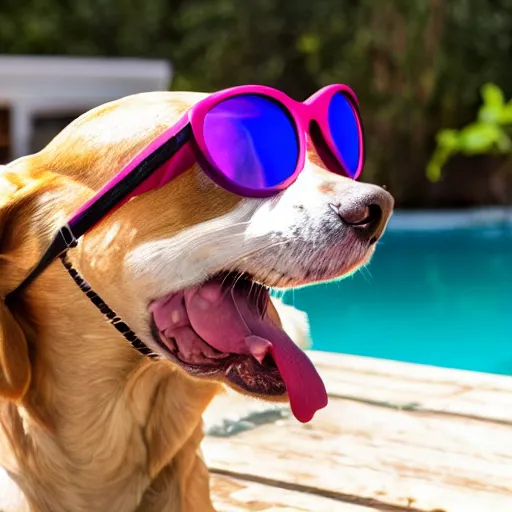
(345, 132)
(252, 140)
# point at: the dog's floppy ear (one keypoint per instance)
(14, 359)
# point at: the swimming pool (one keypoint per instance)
(442, 298)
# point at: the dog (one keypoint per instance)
(88, 423)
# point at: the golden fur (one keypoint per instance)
(87, 423)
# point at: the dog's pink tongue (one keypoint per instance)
(229, 321)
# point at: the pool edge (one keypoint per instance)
(442, 220)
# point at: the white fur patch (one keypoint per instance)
(295, 323)
(207, 247)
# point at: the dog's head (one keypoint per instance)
(188, 265)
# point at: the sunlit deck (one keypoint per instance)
(395, 437)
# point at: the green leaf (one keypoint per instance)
(479, 138)
(448, 139)
(490, 114)
(506, 114)
(439, 158)
(433, 172)
(492, 95)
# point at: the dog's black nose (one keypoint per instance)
(366, 208)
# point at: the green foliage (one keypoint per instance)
(489, 134)
(416, 65)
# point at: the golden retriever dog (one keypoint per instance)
(87, 422)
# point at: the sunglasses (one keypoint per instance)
(251, 140)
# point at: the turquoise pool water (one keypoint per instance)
(438, 298)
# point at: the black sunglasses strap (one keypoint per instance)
(67, 236)
(130, 182)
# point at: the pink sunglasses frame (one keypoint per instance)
(314, 109)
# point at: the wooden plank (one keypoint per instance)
(409, 371)
(237, 495)
(420, 387)
(381, 455)
(389, 384)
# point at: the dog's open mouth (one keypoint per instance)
(221, 327)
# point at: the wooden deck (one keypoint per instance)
(395, 437)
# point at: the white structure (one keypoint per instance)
(51, 87)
